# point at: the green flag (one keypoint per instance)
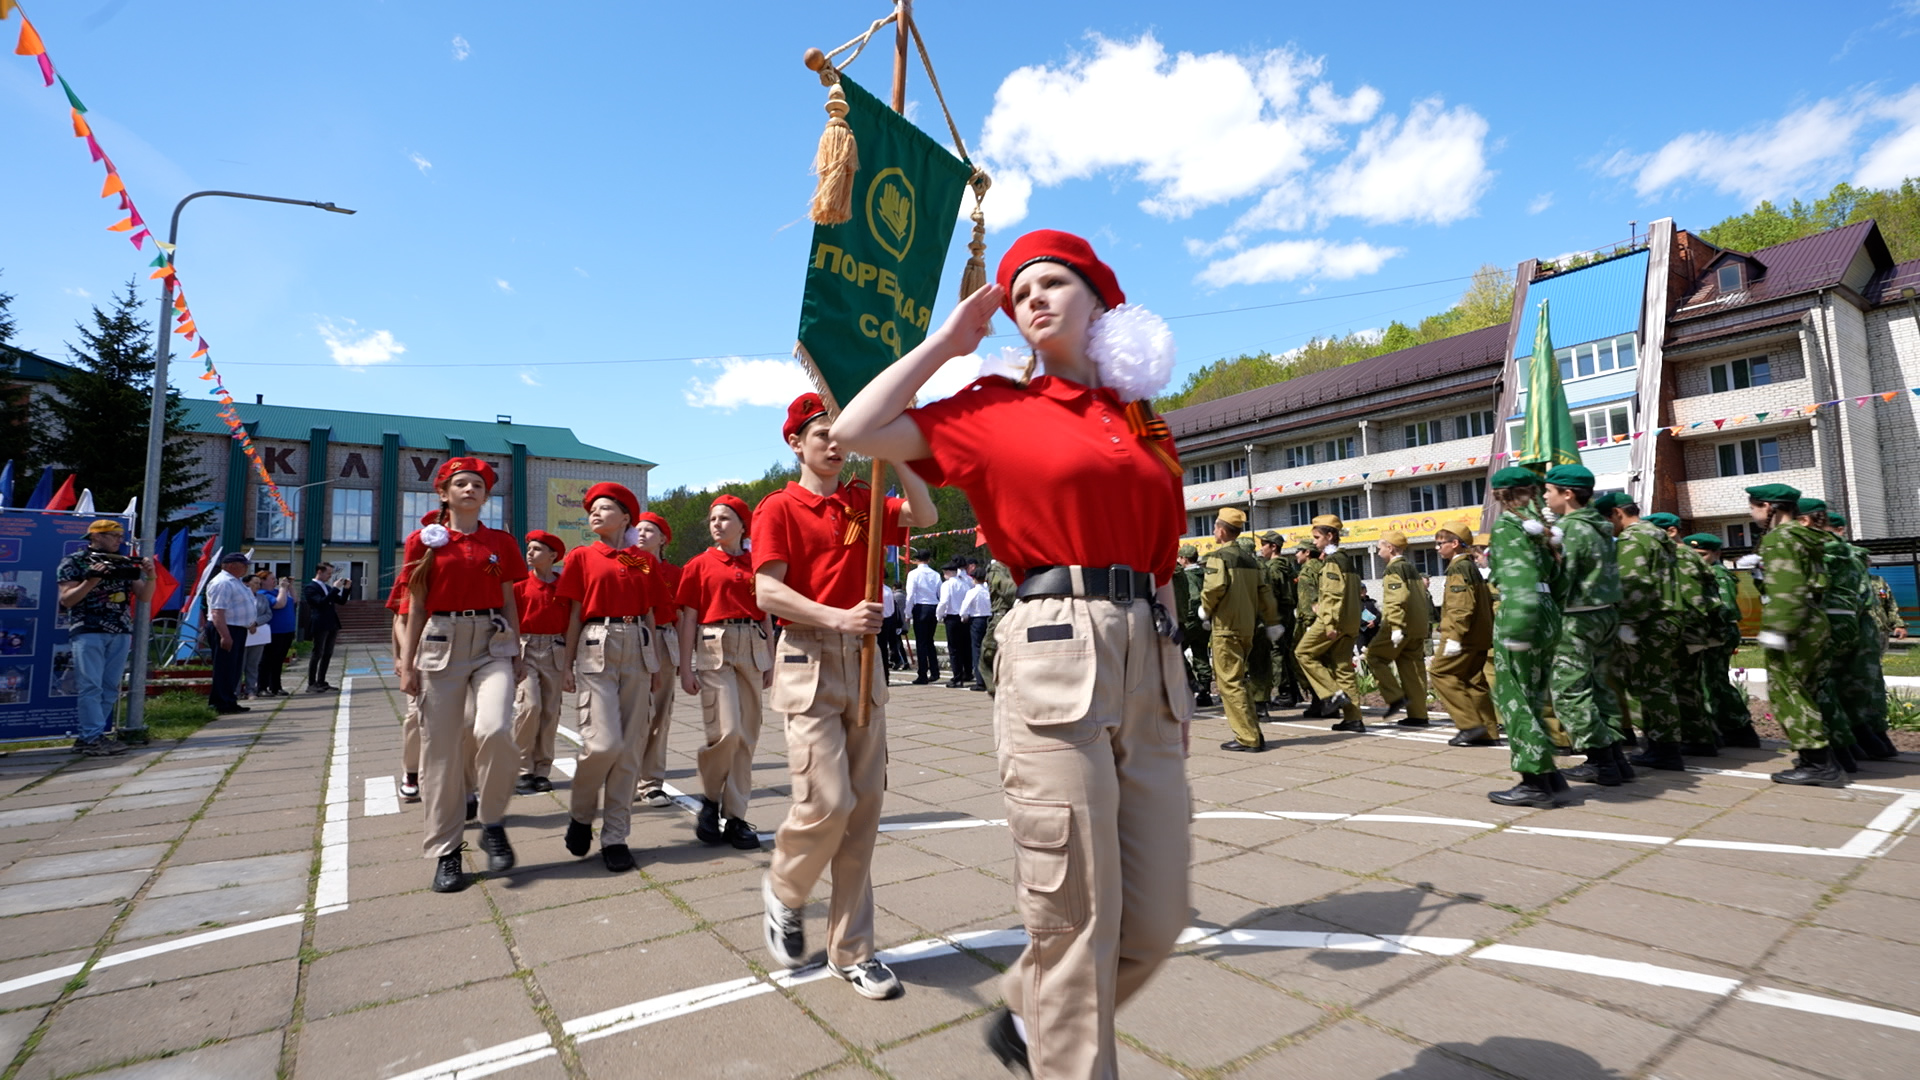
(871, 281)
(1547, 440)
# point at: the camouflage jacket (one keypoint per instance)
(1466, 609)
(1235, 595)
(1405, 604)
(1794, 559)
(1195, 577)
(1523, 572)
(1727, 604)
(1847, 585)
(1001, 588)
(1306, 586)
(1886, 613)
(1648, 573)
(1699, 597)
(1588, 560)
(1338, 606)
(1280, 573)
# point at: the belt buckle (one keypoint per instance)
(1120, 584)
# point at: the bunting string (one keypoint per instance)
(135, 228)
(1719, 424)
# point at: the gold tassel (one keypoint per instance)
(835, 163)
(974, 277)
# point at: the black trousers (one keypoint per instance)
(322, 656)
(960, 648)
(978, 630)
(273, 661)
(228, 664)
(891, 648)
(923, 641)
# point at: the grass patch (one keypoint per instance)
(1897, 661)
(1903, 711)
(176, 714)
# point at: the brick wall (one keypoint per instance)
(1893, 347)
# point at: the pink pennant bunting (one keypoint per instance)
(139, 239)
(93, 147)
(1860, 403)
(46, 67)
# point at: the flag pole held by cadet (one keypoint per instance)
(1547, 439)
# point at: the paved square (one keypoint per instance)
(252, 902)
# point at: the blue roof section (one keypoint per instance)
(420, 432)
(1588, 304)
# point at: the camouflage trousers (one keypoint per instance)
(1520, 686)
(1844, 691)
(1582, 696)
(1873, 708)
(1793, 687)
(1199, 664)
(1649, 678)
(1726, 704)
(1260, 666)
(1286, 666)
(989, 648)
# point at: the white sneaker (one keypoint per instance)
(870, 979)
(785, 927)
(657, 798)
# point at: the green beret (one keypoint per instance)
(1835, 517)
(1570, 476)
(1810, 506)
(1612, 499)
(1773, 493)
(1663, 520)
(1702, 540)
(1188, 551)
(1515, 476)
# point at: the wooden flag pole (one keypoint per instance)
(877, 500)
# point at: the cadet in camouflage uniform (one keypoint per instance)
(1725, 704)
(1260, 657)
(1793, 629)
(1459, 662)
(1306, 593)
(1193, 576)
(1234, 598)
(1589, 624)
(1886, 613)
(1004, 594)
(1326, 645)
(1855, 706)
(1649, 631)
(1398, 652)
(1283, 576)
(1696, 595)
(1524, 633)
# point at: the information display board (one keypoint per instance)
(37, 679)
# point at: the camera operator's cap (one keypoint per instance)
(1570, 476)
(1810, 506)
(466, 464)
(1188, 551)
(1395, 537)
(1611, 500)
(1663, 520)
(233, 557)
(1774, 493)
(1234, 516)
(105, 525)
(1514, 476)
(1328, 521)
(1702, 540)
(803, 411)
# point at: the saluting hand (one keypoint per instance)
(971, 321)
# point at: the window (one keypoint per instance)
(1425, 433)
(1741, 535)
(1749, 456)
(1427, 561)
(1601, 423)
(1740, 374)
(1347, 507)
(1473, 425)
(352, 516)
(1303, 512)
(1235, 467)
(1593, 358)
(494, 514)
(1728, 278)
(1202, 525)
(268, 522)
(1473, 492)
(413, 506)
(1337, 449)
(1299, 456)
(1203, 474)
(1424, 497)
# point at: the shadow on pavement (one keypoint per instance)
(1521, 1057)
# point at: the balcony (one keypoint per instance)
(1720, 496)
(1771, 399)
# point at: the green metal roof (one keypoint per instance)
(420, 432)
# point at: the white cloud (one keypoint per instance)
(743, 381)
(419, 161)
(581, 272)
(716, 485)
(78, 291)
(1204, 130)
(1287, 260)
(461, 50)
(502, 283)
(1540, 203)
(357, 348)
(527, 377)
(1897, 156)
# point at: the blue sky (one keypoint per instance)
(592, 215)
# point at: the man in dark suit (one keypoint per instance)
(322, 596)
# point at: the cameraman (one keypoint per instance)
(98, 589)
(323, 596)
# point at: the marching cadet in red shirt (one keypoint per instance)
(655, 534)
(543, 641)
(410, 721)
(461, 655)
(725, 657)
(1078, 484)
(613, 587)
(810, 570)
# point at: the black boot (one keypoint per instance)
(449, 875)
(1004, 1041)
(1557, 782)
(579, 838)
(1394, 707)
(525, 785)
(1843, 757)
(617, 857)
(1203, 700)
(473, 807)
(1534, 789)
(1742, 738)
(1814, 769)
(1600, 768)
(493, 841)
(1660, 755)
(706, 824)
(1620, 762)
(1316, 709)
(1473, 736)
(1875, 745)
(1414, 721)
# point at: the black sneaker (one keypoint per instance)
(1357, 726)
(493, 841)
(98, 746)
(542, 784)
(617, 857)
(449, 875)
(524, 785)
(579, 838)
(785, 928)
(870, 979)
(410, 787)
(1004, 1040)
(1413, 721)
(706, 823)
(742, 835)
(473, 807)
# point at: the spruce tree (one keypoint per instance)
(98, 417)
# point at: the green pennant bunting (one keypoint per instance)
(73, 99)
(159, 259)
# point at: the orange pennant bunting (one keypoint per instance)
(165, 271)
(186, 331)
(113, 184)
(29, 40)
(123, 225)
(80, 128)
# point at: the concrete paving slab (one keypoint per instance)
(1196, 1012)
(1697, 1059)
(228, 873)
(1354, 1049)
(44, 993)
(83, 864)
(55, 931)
(217, 907)
(1824, 1045)
(1687, 927)
(409, 967)
(55, 895)
(41, 815)
(1855, 965)
(414, 1033)
(112, 1028)
(202, 846)
(240, 1059)
(1751, 890)
(15, 1028)
(388, 918)
(245, 950)
(708, 1043)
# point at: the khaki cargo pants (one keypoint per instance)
(1400, 670)
(1460, 682)
(653, 744)
(536, 702)
(466, 699)
(410, 741)
(613, 668)
(1090, 724)
(839, 775)
(1326, 659)
(729, 660)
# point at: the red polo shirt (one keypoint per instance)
(1054, 475)
(720, 586)
(611, 582)
(468, 571)
(823, 540)
(397, 597)
(542, 611)
(667, 612)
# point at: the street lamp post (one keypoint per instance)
(156, 443)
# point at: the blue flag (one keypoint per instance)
(177, 566)
(42, 491)
(6, 486)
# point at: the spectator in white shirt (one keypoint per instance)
(229, 615)
(959, 635)
(923, 595)
(976, 611)
(892, 650)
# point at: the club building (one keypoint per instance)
(1689, 370)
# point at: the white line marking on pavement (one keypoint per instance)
(330, 894)
(128, 957)
(383, 797)
(1812, 1003)
(482, 1062)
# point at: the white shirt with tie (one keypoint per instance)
(923, 586)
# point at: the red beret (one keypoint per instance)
(657, 520)
(804, 408)
(618, 493)
(739, 506)
(1051, 245)
(466, 464)
(554, 543)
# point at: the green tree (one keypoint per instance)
(20, 420)
(97, 417)
(1897, 210)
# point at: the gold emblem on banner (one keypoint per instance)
(890, 201)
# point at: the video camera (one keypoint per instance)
(111, 567)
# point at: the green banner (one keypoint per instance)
(1547, 439)
(871, 282)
